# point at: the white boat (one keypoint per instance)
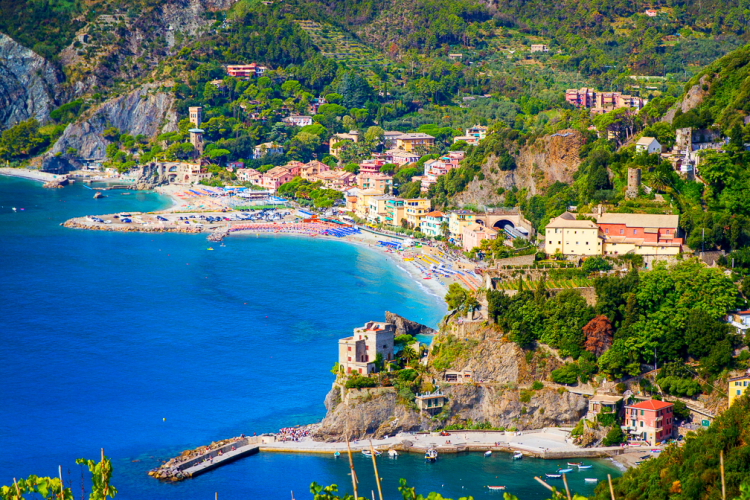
(517, 455)
(591, 480)
(392, 453)
(553, 476)
(431, 455)
(488, 453)
(564, 471)
(584, 467)
(368, 453)
(496, 487)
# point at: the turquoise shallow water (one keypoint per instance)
(103, 335)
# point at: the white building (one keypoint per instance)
(648, 144)
(267, 148)
(298, 120)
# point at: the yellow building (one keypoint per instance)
(416, 209)
(569, 236)
(411, 142)
(458, 220)
(379, 211)
(363, 202)
(737, 386)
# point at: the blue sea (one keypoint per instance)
(104, 335)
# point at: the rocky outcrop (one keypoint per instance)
(146, 111)
(502, 393)
(368, 412)
(691, 100)
(30, 86)
(549, 159)
(407, 327)
(95, 60)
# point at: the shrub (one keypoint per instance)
(537, 386)
(614, 437)
(360, 383)
(526, 396)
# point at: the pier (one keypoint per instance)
(193, 463)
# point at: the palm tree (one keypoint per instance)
(409, 353)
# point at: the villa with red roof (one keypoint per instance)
(651, 421)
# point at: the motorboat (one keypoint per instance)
(564, 471)
(584, 467)
(431, 455)
(591, 480)
(392, 453)
(575, 464)
(496, 488)
(368, 453)
(337, 454)
(553, 476)
(517, 455)
(488, 453)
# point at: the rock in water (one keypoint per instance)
(407, 326)
(98, 195)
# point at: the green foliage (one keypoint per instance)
(26, 139)
(449, 350)
(614, 437)
(596, 263)
(537, 385)
(694, 467)
(360, 382)
(567, 374)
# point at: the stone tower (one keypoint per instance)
(196, 139)
(196, 115)
(634, 182)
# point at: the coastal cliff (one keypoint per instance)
(501, 394)
(30, 86)
(147, 110)
(549, 159)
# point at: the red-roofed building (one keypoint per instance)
(651, 421)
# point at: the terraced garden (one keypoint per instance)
(562, 283)
(337, 44)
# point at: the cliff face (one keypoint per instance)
(548, 160)
(144, 111)
(96, 58)
(500, 395)
(30, 86)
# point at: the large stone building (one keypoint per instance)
(569, 236)
(358, 353)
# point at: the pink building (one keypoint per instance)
(276, 177)
(313, 169)
(651, 421)
(649, 230)
(474, 234)
(371, 166)
(378, 181)
(246, 70)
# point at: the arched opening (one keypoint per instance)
(502, 223)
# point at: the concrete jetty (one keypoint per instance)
(192, 463)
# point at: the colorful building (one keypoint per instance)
(416, 209)
(473, 135)
(396, 211)
(298, 120)
(381, 182)
(476, 233)
(246, 70)
(358, 353)
(737, 386)
(414, 141)
(602, 102)
(569, 236)
(642, 234)
(651, 421)
(267, 148)
(432, 224)
(457, 221)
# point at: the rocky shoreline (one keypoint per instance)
(122, 228)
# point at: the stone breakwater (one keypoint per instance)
(181, 466)
(130, 228)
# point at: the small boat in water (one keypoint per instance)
(392, 453)
(517, 455)
(564, 471)
(496, 487)
(591, 480)
(584, 467)
(488, 453)
(368, 453)
(337, 454)
(575, 464)
(553, 476)
(431, 455)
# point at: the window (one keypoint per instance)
(349, 348)
(576, 243)
(641, 423)
(587, 242)
(641, 412)
(606, 230)
(349, 358)
(550, 242)
(622, 231)
(739, 392)
(635, 231)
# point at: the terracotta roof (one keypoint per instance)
(435, 214)
(640, 220)
(652, 404)
(563, 222)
